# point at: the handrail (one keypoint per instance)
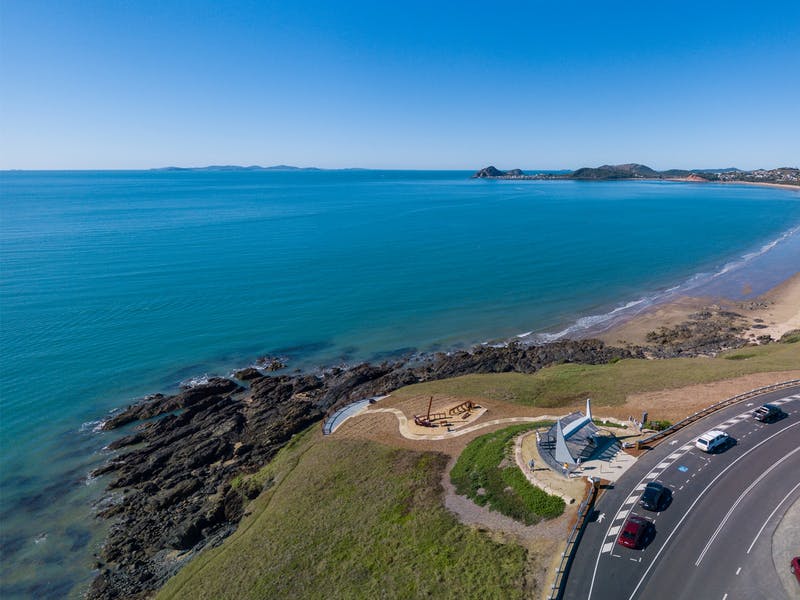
(557, 589)
(710, 409)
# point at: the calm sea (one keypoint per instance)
(117, 284)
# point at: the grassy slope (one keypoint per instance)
(609, 384)
(503, 486)
(352, 519)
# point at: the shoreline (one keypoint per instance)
(774, 313)
(785, 186)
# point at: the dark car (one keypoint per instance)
(796, 567)
(767, 413)
(654, 496)
(635, 532)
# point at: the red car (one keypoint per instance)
(796, 567)
(634, 533)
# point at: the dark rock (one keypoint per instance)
(271, 363)
(488, 172)
(247, 374)
(159, 405)
(128, 440)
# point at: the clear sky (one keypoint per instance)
(459, 85)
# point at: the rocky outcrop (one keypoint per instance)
(494, 173)
(704, 333)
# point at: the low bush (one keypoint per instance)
(486, 473)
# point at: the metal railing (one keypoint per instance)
(656, 437)
(557, 589)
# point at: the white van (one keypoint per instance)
(713, 440)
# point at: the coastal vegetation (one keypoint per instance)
(352, 519)
(486, 473)
(609, 384)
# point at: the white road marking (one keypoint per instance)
(640, 487)
(768, 518)
(607, 547)
(663, 465)
(689, 510)
(652, 475)
(738, 500)
(725, 596)
(630, 500)
(600, 517)
(739, 570)
(614, 530)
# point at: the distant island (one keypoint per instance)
(781, 176)
(238, 168)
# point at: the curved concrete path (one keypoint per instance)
(406, 432)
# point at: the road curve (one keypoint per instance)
(714, 539)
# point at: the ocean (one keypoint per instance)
(118, 284)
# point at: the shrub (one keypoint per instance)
(503, 487)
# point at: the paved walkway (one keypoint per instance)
(406, 431)
(610, 466)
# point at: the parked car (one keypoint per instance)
(713, 441)
(796, 567)
(654, 496)
(635, 533)
(767, 413)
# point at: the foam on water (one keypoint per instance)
(602, 322)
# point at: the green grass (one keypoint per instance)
(352, 519)
(487, 473)
(791, 337)
(610, 384)
(740, 356)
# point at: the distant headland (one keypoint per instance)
(780, 176)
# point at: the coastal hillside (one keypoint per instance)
(353, 519)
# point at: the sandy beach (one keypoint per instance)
(784, 186)
(773, 313)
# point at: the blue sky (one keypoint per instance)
(139, 84)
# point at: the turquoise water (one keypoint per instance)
(116, 284)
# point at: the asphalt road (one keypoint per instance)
(713, 540)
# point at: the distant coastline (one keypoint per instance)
(786, 177)
(226, 168)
